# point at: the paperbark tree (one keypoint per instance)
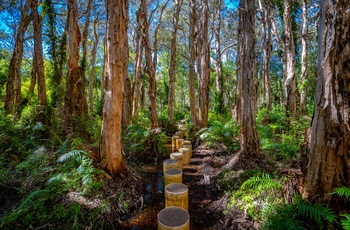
(92, 65)
(328, 158)
(290, 91)
(172, 65)
(304, 56)
(111, 157)
(75, 99)
(38, 54)
(85, 35)
(191, 61)
(249, 142)
(13, 86)
(150, 66)
(204, 67)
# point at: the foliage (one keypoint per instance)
(298, 215)
(281, 135)
(255, 192)
(139, 142)
(344, 192)
(230, 180)
(223, 130)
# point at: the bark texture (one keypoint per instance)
(246, 73)
(328, 157)
(75, 99)
(172, 65)
(218, 79)
(38, 54)
(304, 56)
(110, 145)
(13, 86)
(191, 61)
(150, 66)
(204, 67)
(290, 90)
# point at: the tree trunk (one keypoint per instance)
(150, 66)
(92, 67)
(33, 76)
(304, 64)
(246, 73)
(110, 145)
(38, 50)
(138, 67)
(172, 65)
(328, 164)
(85, 35)
(266, 30)
(127, 95)
(290, 94)
(191, 62)
(12, 103)
(75, 99)
(218, 80)
(204, 74)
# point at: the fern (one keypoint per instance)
(316, 212)
(72, 154)
(260, 181)
(345, 222)
(342, 191)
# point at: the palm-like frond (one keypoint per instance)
(75, 154)
(345, 222)
(263, 180)
(342, 191)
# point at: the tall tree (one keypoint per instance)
(264, 6)
(246, 73)
(38, 54)
(75, 99)
(150, 66)
(92, 65)
(110, 145)
(204, 67)
(191, 61)
(85, 35)
(290, 91)
(13, 85)
(172, 65)
(328, 153)
(304, 56)
(218, 80)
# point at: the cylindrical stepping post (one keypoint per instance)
(185, 155)
(173, 218)
(187, 144)
(176, 194)
(169, 164)
(179, 157)
(173, 141)
(172, 176)
(180, 134)
(179, 143)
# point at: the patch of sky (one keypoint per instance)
(232, 4)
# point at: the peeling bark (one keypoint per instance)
(304, 56)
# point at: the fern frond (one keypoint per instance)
(257, 181)
(72, 154)
(345, 222)
(342, 191)
(316, 212)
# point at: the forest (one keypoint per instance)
(175, 114)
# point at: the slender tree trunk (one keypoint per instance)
(204, 74)
(191, 62)
(172, 65)
(105, 67)
(38, 49)
(85, 35)
(13, 86)
(33, 75)
(246, 73)
(150, 66)
(127, 94)
(92, 67)
(111, 157)
(75, 99)
(218, 80)
(290, 94)
(304, 61)
(328, 164)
